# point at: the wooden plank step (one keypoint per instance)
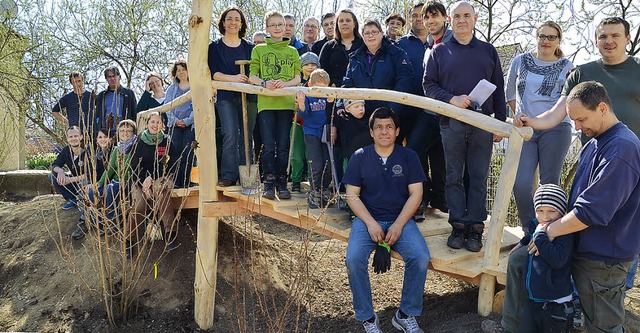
(185, 192)
(499, 271)
(444, 258)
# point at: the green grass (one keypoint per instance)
(40, 161)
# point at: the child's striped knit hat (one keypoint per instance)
(551, 195)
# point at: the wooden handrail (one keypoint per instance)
(476, 119)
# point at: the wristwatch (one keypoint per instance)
(263, 83)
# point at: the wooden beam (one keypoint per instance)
(476, 119)
(221, 208)
(204, 121)
(498, 218)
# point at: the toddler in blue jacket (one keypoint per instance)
(547, 272)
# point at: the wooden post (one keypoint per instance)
(202, 99)
(498, 218)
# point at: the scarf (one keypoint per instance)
(125, 147)
(152, 139)
(549, 72)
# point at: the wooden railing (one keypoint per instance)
(503, 129)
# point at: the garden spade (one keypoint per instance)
(249, 173)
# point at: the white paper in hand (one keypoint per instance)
(481, 92)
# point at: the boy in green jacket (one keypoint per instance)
(275, 65)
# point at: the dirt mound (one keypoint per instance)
(272, 277)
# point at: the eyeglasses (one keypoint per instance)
(550, 38)
(328, 24)
(310, 26)
(111, 76)
(125, 131)
(276, 25)
(371, 33)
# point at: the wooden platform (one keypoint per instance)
(334, 223)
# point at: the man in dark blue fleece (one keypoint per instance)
(453, 69)
(605, 196)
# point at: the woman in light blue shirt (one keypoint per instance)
(180, 123)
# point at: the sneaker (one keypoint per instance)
(407, 325)
(474, 238)
(456, 239)
(313, 201)
(269, 187)
(490, 326)
(79, 231)
(296, 188)
(70, 204)
(172, 241)
(372, 327)
(281, 186)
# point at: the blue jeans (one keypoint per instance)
(318, 156)
(425, 140)
(415, 253)
(548, 148)
(466, 148)
(111, 194)
(69, 192)
(230, 113)
(181, 138)
(275, 126)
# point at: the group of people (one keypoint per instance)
(396, 160)
(113, 167)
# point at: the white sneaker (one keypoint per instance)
(407, 325)
(372, 327)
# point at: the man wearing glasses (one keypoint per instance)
(329, 28)
(310, 30)
(114, 104)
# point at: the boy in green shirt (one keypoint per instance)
(275, 65)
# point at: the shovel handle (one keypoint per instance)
(245, 115)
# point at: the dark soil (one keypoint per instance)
(272, 277)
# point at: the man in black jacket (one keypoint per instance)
(114, 104)
(74, 157)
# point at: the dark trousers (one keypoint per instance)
(425, 140)
(547, 317)
(181, 138)
(318, 156)
(275, 126)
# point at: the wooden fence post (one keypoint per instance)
(204, 117)
(498, 218)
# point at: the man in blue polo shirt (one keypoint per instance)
(384, 188)
(453, 69)
(77, 105)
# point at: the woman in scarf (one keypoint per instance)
(534, 84)
(152, 163)
(114, 178)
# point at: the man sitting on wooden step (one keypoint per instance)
(384, 189)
